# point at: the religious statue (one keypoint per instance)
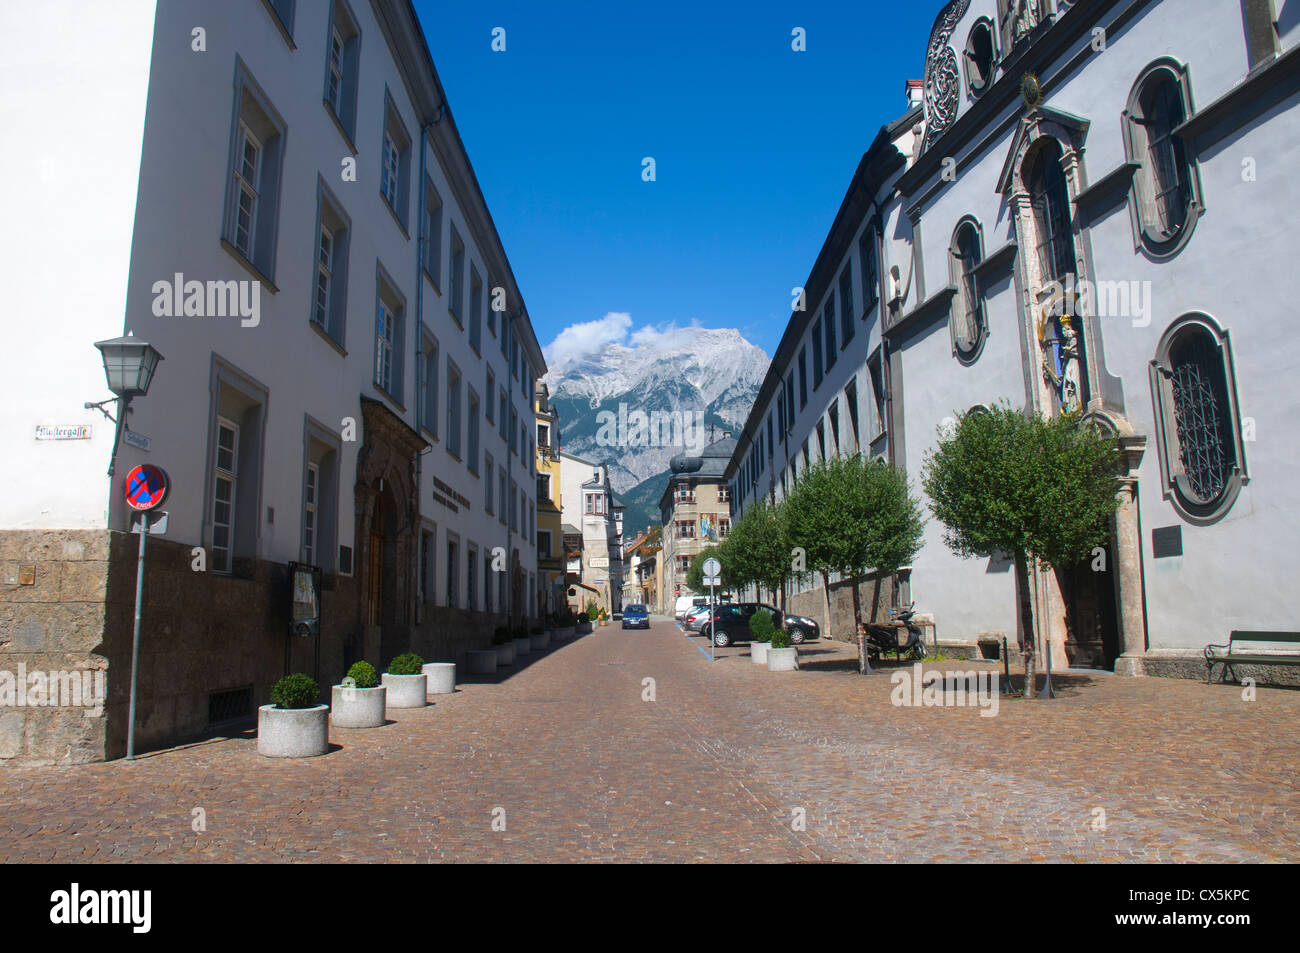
(1019, 18)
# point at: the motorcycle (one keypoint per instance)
(885, 638)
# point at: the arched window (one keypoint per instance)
(967, 317)
(1202, 458)
(1050, 198)
(1165, 198)
(981, 57)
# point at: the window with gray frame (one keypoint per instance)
(1165, 195)
(234, 484)
(390, 335)
(456, 278)
(475, 310)
(429, 399)
(342, 62)
(395, 162)
(256, 166)
(333, 237)
(432, 233)
(966, 318)
(453, 409)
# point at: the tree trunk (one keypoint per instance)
(1026, 621)
(864, 667)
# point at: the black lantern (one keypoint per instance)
(129, 364)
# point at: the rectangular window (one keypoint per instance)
(817, 354)
(686, 529)
(385, 330)
(427, 578)
(544, 543)
(489, 475)
(878, 398)
(471, 571)
(492, 307)
(544, 486)
(395, 162)
(803, 378)
(432, 233)
(224, 487)
(851, 399)
(456, 278)
(724, 526)
(453, 410)
(429, 400)
(324, 276)
(514, 431)
(870, 273)
(471, 448)
(488, 391)
(724, 493)
(487, 580)
(309, 509)
(453, 565)
(329, 300)
(253, 188)
(247, 174)
(341, 66)
(514, 504)
(501, 497)
(502, 416)
(828, 324)
(846, 306)
(475, 310)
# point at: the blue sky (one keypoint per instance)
(754, 145)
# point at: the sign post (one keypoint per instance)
(146, 488)
(712, 568)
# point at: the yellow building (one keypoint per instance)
(550, 538)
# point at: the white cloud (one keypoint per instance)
(667, 338)
(579, 340)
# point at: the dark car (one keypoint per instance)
(635, 616)
(730, 623)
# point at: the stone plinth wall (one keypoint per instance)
(56, 624)
(813, 604)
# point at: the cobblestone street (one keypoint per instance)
(713, 769)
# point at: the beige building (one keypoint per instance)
(696, 509)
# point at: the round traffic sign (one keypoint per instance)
(711, 567)
(146, 487)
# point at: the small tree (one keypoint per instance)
(695, 572)
(852, 515)
(757, 550)
(1042, 491)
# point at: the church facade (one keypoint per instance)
(1078, 214)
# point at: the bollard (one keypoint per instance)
(1047, 685)
(1006, 668)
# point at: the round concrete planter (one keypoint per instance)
(539, 641)
(441, 677)
(505, 653)
(481, 661)
(758, 652)
(523, 646)
(405, 691)
(293, 732)
(352, 707)
(782, 660)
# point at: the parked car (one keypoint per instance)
(636, 616)
(696, 618)
(731, 624)
(685, 604)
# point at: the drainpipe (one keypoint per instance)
(419, 339)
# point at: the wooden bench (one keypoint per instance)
(1229, 657)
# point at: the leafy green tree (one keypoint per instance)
(757, 550)
(851, 516)
(1042, 491)
(695, 572)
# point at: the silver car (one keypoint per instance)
(695, 618)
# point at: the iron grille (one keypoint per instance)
(1201, 414)
(230, 705)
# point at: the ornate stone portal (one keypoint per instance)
(387, 508)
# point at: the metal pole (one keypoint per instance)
(135, 638)
(1006, 669)
(713, 625)
(1047, 686)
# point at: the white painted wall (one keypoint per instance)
(73, 82)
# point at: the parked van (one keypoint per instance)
(684, 605)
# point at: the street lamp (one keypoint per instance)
(129, 364)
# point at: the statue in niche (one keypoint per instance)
(1061, 360)
(1019, 17)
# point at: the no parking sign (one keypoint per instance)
(146, 487)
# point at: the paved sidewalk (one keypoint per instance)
(717, 768)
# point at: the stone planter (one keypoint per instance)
(406, 691)
(782, 660)
(758, 652)
(481, 661)
(352, 707)
(441, 677)
(505, 653)
(523, 646)
(563, 633)
(539, 641)
(584, 628)
(293, 732)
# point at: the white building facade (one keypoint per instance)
(348, 363)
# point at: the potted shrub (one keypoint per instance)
(585, 617)
(564, 624)
(505, 645)
(538, 639)
(781, 655)
(405, 681)
(523, 644)
(294, 725)
(604, 617)
(359, 701)
(761, 631)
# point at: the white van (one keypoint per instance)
(685, 604)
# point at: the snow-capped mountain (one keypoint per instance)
(707, 375)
